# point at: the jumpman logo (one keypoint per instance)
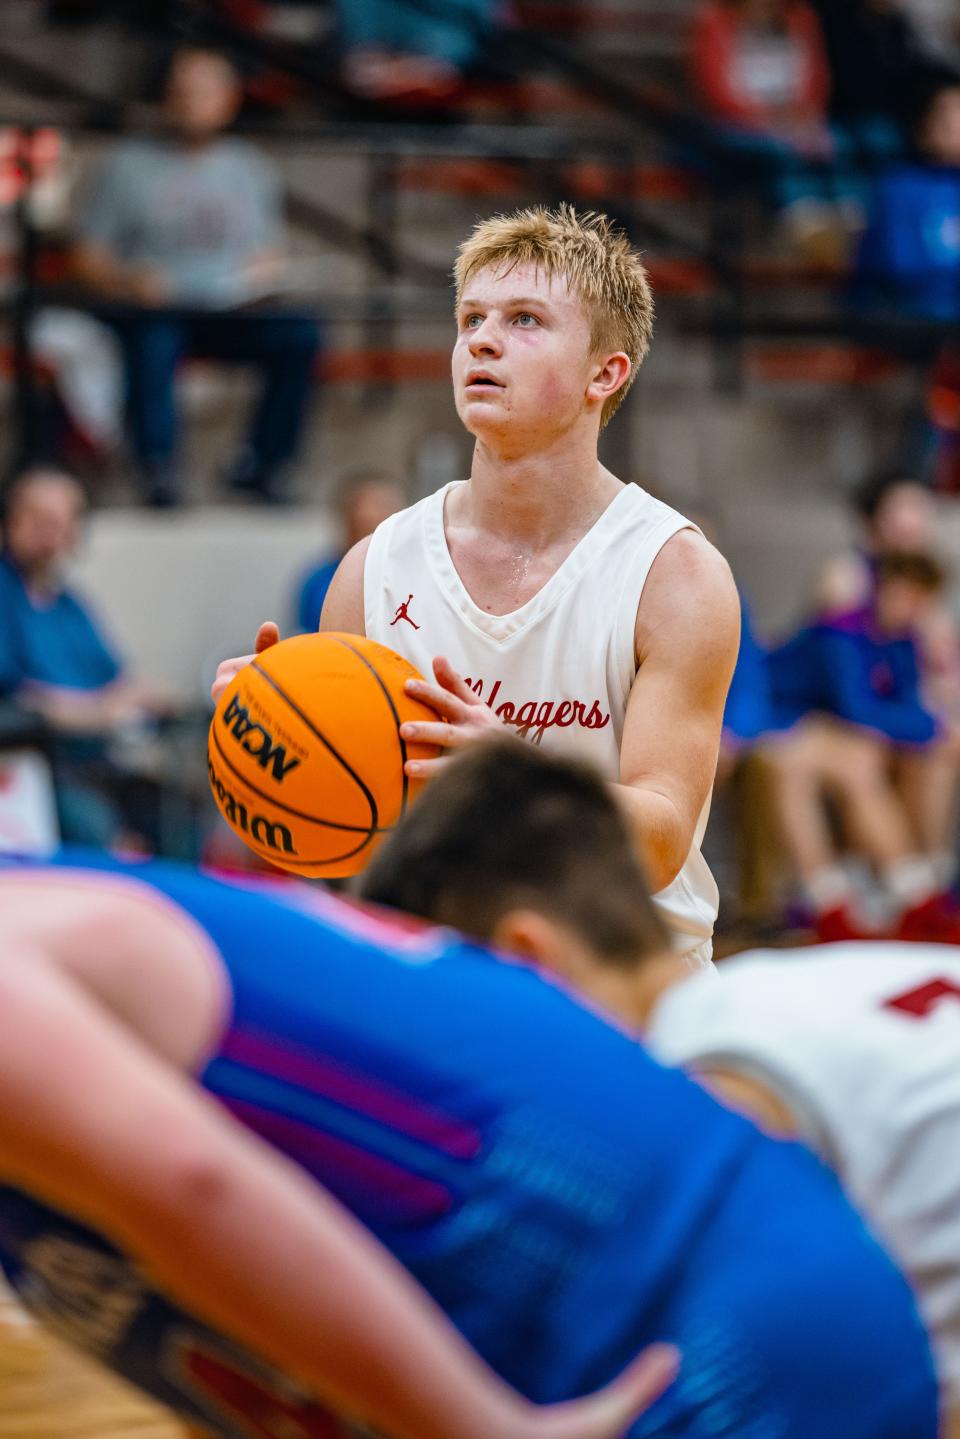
(403, 613)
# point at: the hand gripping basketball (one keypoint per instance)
(461, 718)
(267, 635)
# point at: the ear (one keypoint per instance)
(610, 374)
(531, 934)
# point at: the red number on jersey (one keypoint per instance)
(924, 999)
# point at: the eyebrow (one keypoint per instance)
(515, 301)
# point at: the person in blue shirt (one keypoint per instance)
(562, 1197)
(909, 257)
(846, 701)
(55, 659)
(365, 498)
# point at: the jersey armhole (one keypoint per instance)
(374, 569)
(811, 1128)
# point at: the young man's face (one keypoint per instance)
(522, 362)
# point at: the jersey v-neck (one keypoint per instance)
(504, 627)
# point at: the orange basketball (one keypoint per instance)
(305, 754)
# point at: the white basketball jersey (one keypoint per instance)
(863, 1043)
(560, 668)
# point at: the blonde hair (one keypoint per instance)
(594, 257)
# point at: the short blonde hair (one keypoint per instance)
(594, 257)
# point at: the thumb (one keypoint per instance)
(267, 636)
(609, 1413)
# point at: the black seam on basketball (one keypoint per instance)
(287, 808)
(325, 861)
(374, 813)
(396, 719)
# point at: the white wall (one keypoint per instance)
(177, 592)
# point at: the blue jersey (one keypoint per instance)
(564, 1198)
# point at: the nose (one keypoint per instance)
(485, 338)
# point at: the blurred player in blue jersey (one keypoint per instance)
(561, 1196)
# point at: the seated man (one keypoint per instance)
(55, 660)
(186, 234)
(562, 1213)
(853, 1048)
(846, 696)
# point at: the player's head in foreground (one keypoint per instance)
(554, 317)
(531, 854)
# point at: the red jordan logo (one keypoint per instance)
(403, 613)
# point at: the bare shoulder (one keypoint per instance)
(343, 608)
(690, 595)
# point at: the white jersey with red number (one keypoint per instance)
(560, 668)
(863, 1043)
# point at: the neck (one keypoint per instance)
(534, 499)
(633, 994)
(38, 579)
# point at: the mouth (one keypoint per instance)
(480, 380)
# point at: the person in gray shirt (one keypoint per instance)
(184, 234)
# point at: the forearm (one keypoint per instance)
(658, 832)
(113, 278)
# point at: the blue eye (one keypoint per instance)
(471, 322)
(525, 315)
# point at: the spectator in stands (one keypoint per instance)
(54, 658)
(186, 235)
(760, 70)
(909, 258)
(846, 694)
(882, 70)
(414, 51)
(364, 499)
(896, 514)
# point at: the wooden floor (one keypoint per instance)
(50, 1392)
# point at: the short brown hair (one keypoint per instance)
(594, 257)
(506, 827)
(916, 567)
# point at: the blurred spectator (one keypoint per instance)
(897, 515)
(846, 692)
(760, 69)
(364, 499)
(910, 254)
(414, 51)
(186, 234)
(881, 67)
(55, 661)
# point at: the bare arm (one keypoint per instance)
(100, 270)
(343, 608)
(232, 1231)
(687, 636)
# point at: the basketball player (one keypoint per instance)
(104, 1006)
(544, 594)
(474, 1117)
(854, 1048)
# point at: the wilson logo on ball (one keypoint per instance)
(263, 831)
(257, 740)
